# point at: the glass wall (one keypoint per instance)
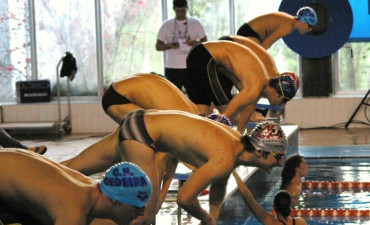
(128, 31)
(15, 60)
(354, 69)
(63, 26)
(129, 36)
(214, 16)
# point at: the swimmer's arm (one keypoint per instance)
(245, 115)
(216, 197)
(263, 216)
(244, 98)
(278, 33)
(205, 175)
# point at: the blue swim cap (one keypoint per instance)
(286, 84)
(307, 15)
(127, 183)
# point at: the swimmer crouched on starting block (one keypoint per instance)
(215, 149)
(51, 193)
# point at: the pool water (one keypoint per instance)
(330, 170)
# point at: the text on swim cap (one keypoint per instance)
(124, 178)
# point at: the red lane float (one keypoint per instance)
(336, 185)
(317, 212)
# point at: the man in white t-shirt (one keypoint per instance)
(176, 37)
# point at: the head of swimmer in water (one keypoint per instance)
(293, 165)
(268, 141)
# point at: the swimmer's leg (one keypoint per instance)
(143, 156)
(98, 157)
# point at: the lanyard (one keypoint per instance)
(175, 25)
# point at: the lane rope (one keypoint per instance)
(312, 184)
(317, 212)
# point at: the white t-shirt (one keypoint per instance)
(173, 31)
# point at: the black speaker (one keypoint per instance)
(33, 91)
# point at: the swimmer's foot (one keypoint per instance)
(38, 149)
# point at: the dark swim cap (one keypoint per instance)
(286, 84)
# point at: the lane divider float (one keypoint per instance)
(311, 184)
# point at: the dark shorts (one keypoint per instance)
(225, 38)
(111, 97)
(246, 31)
(205, 84)
(176, 76)
(133, 127)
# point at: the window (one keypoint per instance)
(129, 33)
(63, 26)
(354, 69)
(129, 36)
(15, 61)
(214, 16)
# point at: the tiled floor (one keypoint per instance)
(311, 143)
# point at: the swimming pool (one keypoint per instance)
(348, 169)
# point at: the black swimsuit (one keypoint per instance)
(285, 223)
(246, 31)
(112, 97)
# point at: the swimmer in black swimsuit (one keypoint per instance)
(267, 29)
(215, 67)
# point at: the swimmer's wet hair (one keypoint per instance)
(248, 146)
(282, 203)
(289, 170)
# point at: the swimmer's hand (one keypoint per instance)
(208, 221)
(256, 117)
(216, 116)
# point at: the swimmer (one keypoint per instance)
(54, 194)
(215, 67)
(144, 91)
(213, 148)
(282, 207)
(267, 29)
(266, 59)
(137, 91)
(295, 168)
